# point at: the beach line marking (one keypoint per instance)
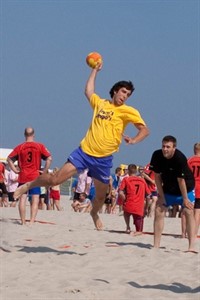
(167, 234)
(37, 221)
(64, 247)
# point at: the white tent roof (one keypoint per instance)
(4, 152)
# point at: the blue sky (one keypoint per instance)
(43, 47)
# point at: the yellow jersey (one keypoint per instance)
(104, 135)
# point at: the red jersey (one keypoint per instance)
(194, 164)
(135, 189)
(29, 156)
(2, 172)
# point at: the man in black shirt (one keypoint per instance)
(175, 184)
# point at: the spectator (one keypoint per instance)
(29, 156)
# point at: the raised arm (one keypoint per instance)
(90, 84)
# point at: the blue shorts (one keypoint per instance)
(173, 199)
(99, 167)
(33, 191)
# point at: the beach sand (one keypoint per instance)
(63, 257)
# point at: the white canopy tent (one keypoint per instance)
(4, 152)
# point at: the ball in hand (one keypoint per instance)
(93, 59)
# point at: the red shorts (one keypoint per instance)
(138, 221)
(55, 195)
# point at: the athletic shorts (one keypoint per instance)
(99, 167)
(10, 197)
(197, 203)
(33, 191)
(138, 221)
(55, 195)
(154, 193)
(3, 188)
(174, 199)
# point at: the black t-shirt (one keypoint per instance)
(171, 169)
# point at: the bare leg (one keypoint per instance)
(57, 204)
(34, 208)
(101, 189)
(190, 228)
(22, 208)
(183, 224)
(5, 200)
(152, 206)
(127, 221)
(158, 224)
(197, 219)
(46, 179)
(13, 204)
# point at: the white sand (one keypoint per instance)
(71, 260)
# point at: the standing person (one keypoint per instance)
(119, 199)
(103, 138)
(115, 185)
(29, 156)
(194, 164)
(149, 177)
(133, 191)
(54, 194)
(175, 184)
(83, 184)
(11, 185)
(3, 189)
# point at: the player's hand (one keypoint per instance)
(99, 66)
(188, 204)
(127, 139)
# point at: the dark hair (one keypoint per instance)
(120, 84)
(170, 138)
(84, 194)
(117, 169)
(132, 169)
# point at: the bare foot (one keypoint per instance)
(97, 222)
(21, 190)
(191, 251)
(128, 230)
(136, 233)
(183, 236)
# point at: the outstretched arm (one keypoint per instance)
(143, 132)
(90, 84)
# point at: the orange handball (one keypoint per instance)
(93, 59)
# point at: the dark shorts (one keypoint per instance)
(138, 221)
(10, 197)
(3, 188)
(197, 203)
(154, 193)
(99, 167)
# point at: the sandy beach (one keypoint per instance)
(62, 256)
